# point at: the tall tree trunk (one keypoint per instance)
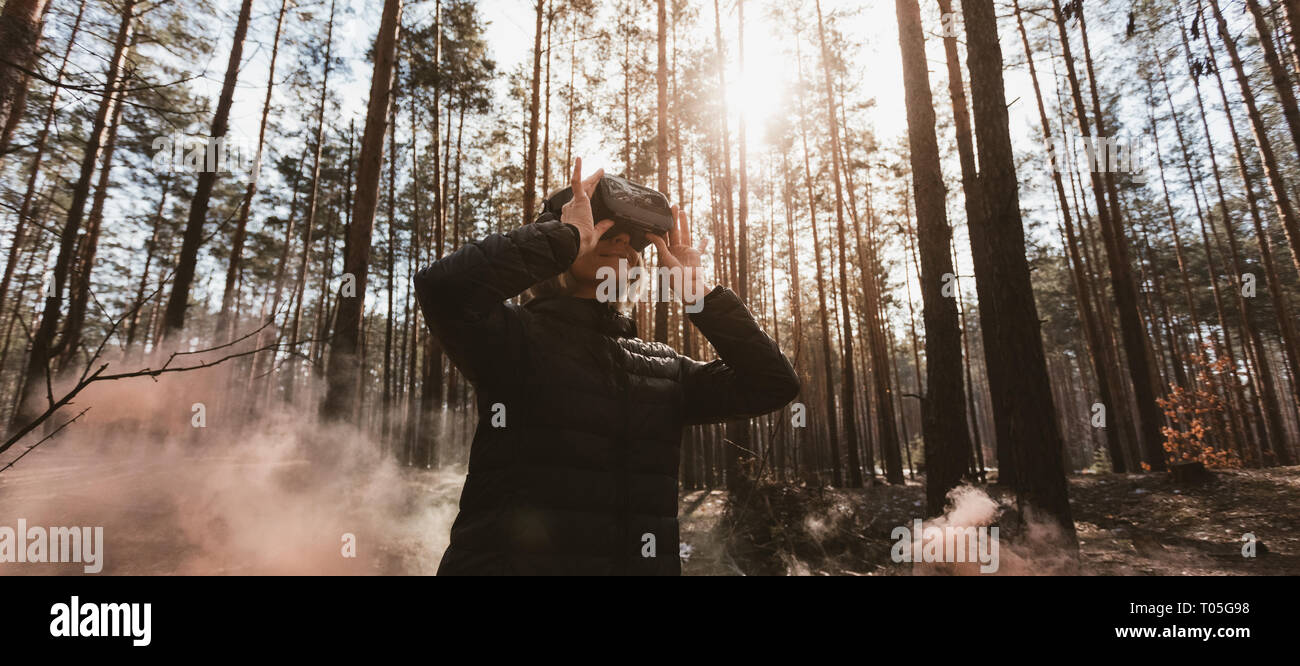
(88, 247)
(389, 256)
(1236, 402)
(974, 208)
(530, 162)
(241, 226)
(340, 396)
(1136, 345)
(38, 248)
(738, 431)
(38, 150)
(1285, 211)
(978, 471)
(1273, 285)
(1282, 86)
(870, 318)
(847, 380)
(729, 236)
(832, 420)
(943, 408)
(795, 293)
(439, 195)
(661, 151)
(573, 66)
(276, 294)
(1179, 252)
(178, 302)
(1024, 413)
(546, 115)
(909, 237)
(414, 420)
(21, 24)
(873, 317)
(742, 211)
(313, 202)
(1292, 8)
(42, 346)
(1099, 355)
(151, 250)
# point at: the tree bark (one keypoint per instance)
(343, 365)
(1136, 345)
(1282, 309)
(832, 420)
(38, 150)
(21, 24)
(847, 383)
(943, 407)
(1285, 211)
(42, 346)
(84, 263)
(313, 202)
(178, 302)
(1099, 354)
(530, 162)
(661, 151)
(1282, 86)
(241, 226)
(1024, 410)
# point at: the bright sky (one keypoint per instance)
(511, 27)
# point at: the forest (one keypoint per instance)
(1035, 262)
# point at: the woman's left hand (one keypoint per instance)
(679, 255)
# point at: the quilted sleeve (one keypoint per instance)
(463, 294)
(751, 375)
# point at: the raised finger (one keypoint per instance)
(674, 234)
(684, 233)
(576, 183)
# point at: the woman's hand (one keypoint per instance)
(678, 253)
(578, 211)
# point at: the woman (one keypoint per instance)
(573, 468)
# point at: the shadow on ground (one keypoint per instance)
(1128, 524)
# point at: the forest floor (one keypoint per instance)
(261, 510)
(1128, 524)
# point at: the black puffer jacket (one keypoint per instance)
(582, 475)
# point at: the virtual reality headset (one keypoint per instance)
(635, 209)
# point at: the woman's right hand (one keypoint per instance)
(578, 211)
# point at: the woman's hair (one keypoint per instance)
(564, 285)
(557, 285)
